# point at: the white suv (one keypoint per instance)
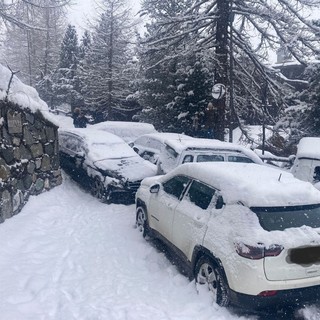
(247, 232)
(176, 152)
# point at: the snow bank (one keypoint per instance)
(21, 94)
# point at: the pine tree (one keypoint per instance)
(66, 88)
(106, 62)
(85, 44)
(174, 87)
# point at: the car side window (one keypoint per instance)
(75, 146)
(71, 143)
(176, 186)
(239, 159)
(187, 158)
(210, 158)
(200, 194)
(316, 174)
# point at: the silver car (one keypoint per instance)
(103, 162)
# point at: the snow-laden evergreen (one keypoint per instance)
(105, 65)
(66, 80)
(238, 34)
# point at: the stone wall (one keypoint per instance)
(29, 158)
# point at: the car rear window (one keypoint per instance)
(280, 218)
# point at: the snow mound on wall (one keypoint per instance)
(21, 94)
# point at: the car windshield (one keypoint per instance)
(280, 218)
(111, 151)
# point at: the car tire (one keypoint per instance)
(98, 190)
(142, 222)
(209, 274)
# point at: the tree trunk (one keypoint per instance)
(110, 66)
(221, 73)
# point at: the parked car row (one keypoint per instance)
(247, 232)
(104, 163)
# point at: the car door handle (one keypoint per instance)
(198, 224)
(169, 205)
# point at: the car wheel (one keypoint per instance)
(142, 222)
(98, 189)
(208, 274)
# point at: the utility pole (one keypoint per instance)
(222, 71)
(264, 107)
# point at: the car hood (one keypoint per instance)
(133, 168)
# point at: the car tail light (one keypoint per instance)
(269, 293)
(258, 252)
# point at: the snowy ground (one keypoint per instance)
(67, 256)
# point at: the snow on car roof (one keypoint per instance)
(197, 143)
(309, 147)
(102, 144)
(163, 136)
(252, 184)
(94, 136)
(124, 124)
(126, 130)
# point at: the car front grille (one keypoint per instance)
(133, 185)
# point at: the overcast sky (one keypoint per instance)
(84, 10)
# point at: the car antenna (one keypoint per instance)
(280, 177)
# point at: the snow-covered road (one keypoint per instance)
(67, 256)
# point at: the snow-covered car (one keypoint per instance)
(102, 162)
(128, 131)
(306, 164)
(248, 233)
(176, 152)
(149, 146)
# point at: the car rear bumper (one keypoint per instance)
(283, 298)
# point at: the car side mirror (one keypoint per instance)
(81, 154)
(155, 188)
(219, 203)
